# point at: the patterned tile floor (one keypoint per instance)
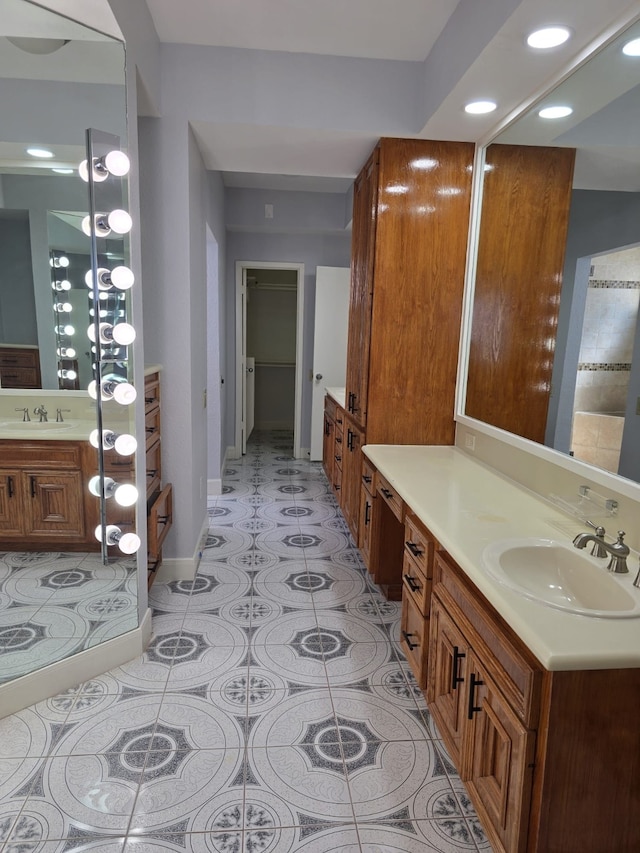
(273, 711)
(57, 604)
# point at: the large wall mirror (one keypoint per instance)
(58, 79)
(554, 345)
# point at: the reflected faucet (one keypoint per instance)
(618, 551)
(25, 414)
(40, 410)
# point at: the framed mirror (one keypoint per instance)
(554, 343)
(59, 78)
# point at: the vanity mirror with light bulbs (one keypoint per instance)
(65, 586)
(551, 352)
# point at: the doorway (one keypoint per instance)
(269, 330)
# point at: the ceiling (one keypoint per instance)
(499, 66)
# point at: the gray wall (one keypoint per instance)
(17, 302)
(599, 222)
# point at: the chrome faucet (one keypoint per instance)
(59, 418)
(25, 414)
(40, 410)
(618, 551)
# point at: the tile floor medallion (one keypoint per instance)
(273, 711)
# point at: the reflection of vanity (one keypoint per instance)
(19, 367)
(44, 502)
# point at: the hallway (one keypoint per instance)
(272, 712)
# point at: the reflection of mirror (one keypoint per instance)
(595, 383)
(57, 603)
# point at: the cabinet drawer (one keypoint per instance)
(48, 454)
(19, 358)
(151, 391)
(20, 377)
(337, 479)
(152, 426)
(419, 544)
(414, 639)
(390, 496)
(368, 475)
(330, 407)
(416, 584)
(339, 419)
(154, 468)
(159, 522)
(516, 671)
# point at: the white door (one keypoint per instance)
(329, 344)
(250, 386)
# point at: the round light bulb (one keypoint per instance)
(65, 330)
(98, 177)
(92, 389)
(124, 393)
(129, 543)
(66, 352)
(67, 374)
(125, 444)
(63, 261)
(63, 285)
(94, 486)
(123, 334)
(86, 225)
(120, 221)
(117, 163)
(126, 494)
(65, 307)
(632, 48)
(122, 278)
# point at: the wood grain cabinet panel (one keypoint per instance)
(11, 512)
(517, 286)
(407, 276)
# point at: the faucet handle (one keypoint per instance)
(598, 549)
(600, 531)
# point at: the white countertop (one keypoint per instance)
(73, 430)
(467, 505)
(338, 395)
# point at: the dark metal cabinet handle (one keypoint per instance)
(367, 514)
(338, 458)
(414, 549)
(411, 645)
(411, 583)
(10, 486)
(32, 481)
(473, 708)
(455, 674)
(388, 495)
(366, 478)
(338, 439)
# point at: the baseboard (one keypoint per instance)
(305, 453)
(183, 568)
(90, 663)
(214, 488)
(232, 452)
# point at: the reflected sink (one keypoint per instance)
(35, 426)
(558, 575)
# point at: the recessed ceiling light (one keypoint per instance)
(632, 48)
(548, 37)
(43, 153)
(477, 108)
(63, 171)
(555, 112)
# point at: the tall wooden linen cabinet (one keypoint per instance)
(410, 224)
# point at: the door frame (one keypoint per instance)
(241, 268)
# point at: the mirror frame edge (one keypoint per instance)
(622, 485)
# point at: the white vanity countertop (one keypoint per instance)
(467, 505)
(73, 430)
(338, 395)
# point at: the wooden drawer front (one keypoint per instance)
(364, 525)
(20, 377)
(154, 468)
(337, 480)
(330, 407)
(159, 522)
(416, 584)
(152, 426)
(338, 449)
(151, 391)
(368, 476)
(47, 454)
(419, 544)
(517, 673)
(19, 358)
(339, 419)
(414, 639)
(390, 496)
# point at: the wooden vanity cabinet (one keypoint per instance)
(44, 501)
(483, 691)
(407, 277)
(328, 437)
(353, 439)
(417, 576)
(367, 497)
(159, 496)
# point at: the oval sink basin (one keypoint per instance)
(560, 576)
(35, 426)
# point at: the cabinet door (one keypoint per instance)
(352, 476)
(364, 524)
(414, 638)
(499, 756)
(11, 514)
(328, 440)
(54, 504)
(365, 196)
(447, 677)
